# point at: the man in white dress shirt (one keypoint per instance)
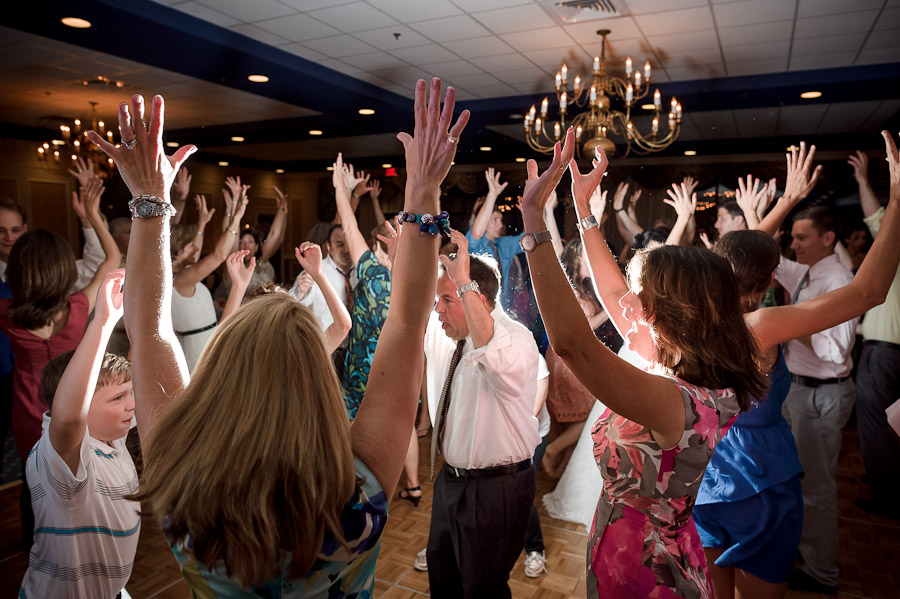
(821, 396)
(486, 430)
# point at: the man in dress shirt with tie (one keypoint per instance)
(822, 393)
(486, 430)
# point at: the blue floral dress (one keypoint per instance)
(371, 299)
(336, 574)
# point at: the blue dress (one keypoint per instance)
(750, 503)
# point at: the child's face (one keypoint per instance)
(111, 412)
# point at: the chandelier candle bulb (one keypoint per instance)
(674, 104)
(578, 132)
(537, 125)
(678, 111)
(657, 99)
(629, 129)
(593, 94)
(563, 100)
(558, 80)
(647, 71)
(565, 73)
(577, 83)
(629, 95)
(655, 125)
(671, 120)
(637, 79)
(544, 106)
(556, 130)
(596, 64)
(628, 67)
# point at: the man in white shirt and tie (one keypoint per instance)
(486, 430)
(821, 396)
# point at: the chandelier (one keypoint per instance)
(73, 143)
(598, 122)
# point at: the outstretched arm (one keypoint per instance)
(644, 398)
(309, 255)
(92, 194)
(181, 188)
(495, 188)
(240, 279)
(749, 196)
(344, 177)
(867, 199)
(159, 371)
(380, 433)
(189, 276)
(684, 201)
(276, 233)
(72, 399)
(550, 219)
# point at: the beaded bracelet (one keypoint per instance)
(432, 225)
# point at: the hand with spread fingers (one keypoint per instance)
(538, 188)
(182, 186)
(800, 181)
(584, 186)
(140, 158)
(83, 170)
(205, 214)
(682, 200)
(281, 199)
(391, 240)
(495, 188)
(458, 268)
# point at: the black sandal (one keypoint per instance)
(409, 497)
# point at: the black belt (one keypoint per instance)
(492, 471)
(195, 331)
(808, 381)
(886, 344)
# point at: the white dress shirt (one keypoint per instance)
(491, 420)
(315, 301)
(336, 277)
(92, 256)
(830, 353)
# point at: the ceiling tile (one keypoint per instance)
(822, 61)
(876, 56)
(586, 33)
(538, 39)
(756, 122)
(698, 71)
(496, 91)
(450, 29)
(676, 21)
(828, 45)
(308, 5)
(519, 18)
(835, 24)
(446, 70)
(715, 124)
(374, 61)
(473, 82)
(482, 46)
(736, 14)
(341, 67)
(889, 19)
(477, 5)
(756, 67)
(504, 62)
(520, 76)
(884, 40)
(696, 59)
(297, 28)
(757, 51)
(669, 44)
(880, 115)
(424, 54)
(410, 11)
(339, 46)
(351, 18)
(384, 39)
(647, 6)
(811, 8)
(207, 14)
(248, 12)
(619, 50)
(550, 61)
(261, 35)
(303, 52)
(800, 120)
(759, 33)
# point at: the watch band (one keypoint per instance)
(470, 286)
(145, 206)
(586, 223)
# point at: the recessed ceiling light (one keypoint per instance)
(485, 148)
(386, 165)
(237, 138)
(76, 23)
(171, 144)
(315, 132)
(366, 111)
(280, 171)
(810, 95)
(517, 117)
(648, 106)
(258, 78)
(520, 160)
(329, 168)
(223, 163)
(690, 152)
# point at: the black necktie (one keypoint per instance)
(437, 435)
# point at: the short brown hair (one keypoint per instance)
(114, 370)
(13, 206)
(753, 256)
(484, 270)
(41, 275)
(822, 217)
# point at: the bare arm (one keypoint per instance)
(374, 189)
(72, 399)
(550, 219)
(380, 433)
(276, 233)
(342, 177)
(748, 196)
(92, 194)
(181, 188)
(159, 371)
(189, 276)
(495, 188)
(800, 183)
(646, 399)
(685, 204)
(309, 255)
(867, 199)
(240, 279)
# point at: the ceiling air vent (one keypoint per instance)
(581, 11)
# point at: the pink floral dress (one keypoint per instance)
(643, 542)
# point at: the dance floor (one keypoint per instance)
(869, 552)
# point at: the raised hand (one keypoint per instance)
(771, 189)
(78, 206)
(495, 188)
(144, 167)
(309, 255)
(305, 282)
(635, 196)
(392, 240)
(432, 147)
(458, 268)
(619, 198)
(682, 200)
(893, 160)
(598, 203)
(748, 195)
(240, 274)
(800, 181)
(83, 170)
(374, 190)
(182, 185)
(538, 188)
(93, 191)
(203, 211)
(690, 184)
(351, 178)
(705, 239)
(109, 307)
(281, 199)
(583, 186)
(860, 163)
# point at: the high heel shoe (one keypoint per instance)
(407, 495)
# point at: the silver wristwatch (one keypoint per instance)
(145, 206)
(586, 223)
(529, 241)
(470, 286)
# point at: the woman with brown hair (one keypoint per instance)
(263, 486)
(681, 308)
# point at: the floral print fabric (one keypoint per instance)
(643, 543)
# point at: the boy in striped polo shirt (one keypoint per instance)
(79, 472)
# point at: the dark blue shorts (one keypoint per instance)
(759, 534)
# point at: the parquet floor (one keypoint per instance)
(869, 552)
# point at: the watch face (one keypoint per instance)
(527, 243)
(144, 208)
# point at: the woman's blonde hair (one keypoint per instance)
(253, 458)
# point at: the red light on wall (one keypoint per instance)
(391, 172)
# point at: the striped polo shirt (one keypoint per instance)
(85, 534)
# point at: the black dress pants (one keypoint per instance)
(877, 387)
(477, 532)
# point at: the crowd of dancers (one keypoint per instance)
(268, 427)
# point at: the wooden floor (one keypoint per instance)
(869, 556)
